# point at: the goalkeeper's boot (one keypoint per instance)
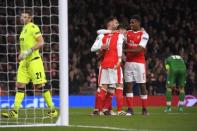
(145, 112)
(53, 113)
(168, 109)
(10, 114)
(180, 108)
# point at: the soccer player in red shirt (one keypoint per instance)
(111, 72)
(135, 63)
(107, 106)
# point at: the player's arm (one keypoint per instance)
(119, 49)
(104, 31)
(40, 43)
(98, 44)
(141, 46)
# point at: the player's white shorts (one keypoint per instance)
(110, 76)
(135, 72)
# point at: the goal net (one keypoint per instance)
(46, 14)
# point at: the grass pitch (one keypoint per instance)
(80, 120)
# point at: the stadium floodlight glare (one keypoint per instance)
(52, 18)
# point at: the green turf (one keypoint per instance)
(157, 121)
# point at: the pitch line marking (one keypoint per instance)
(106, 127)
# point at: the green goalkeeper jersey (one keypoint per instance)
(28, 37)
(175, 62)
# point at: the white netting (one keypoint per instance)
(45, 15)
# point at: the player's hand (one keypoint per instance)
(114, 31)
(24, 54)
(104, 47)
(116, 66)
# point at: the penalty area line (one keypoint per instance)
(105, 127)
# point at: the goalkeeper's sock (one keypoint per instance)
(108, 101)
(119, 98)
(48, 99)
(144, 101)
(19, 98)
(168, 97)
(129, 100)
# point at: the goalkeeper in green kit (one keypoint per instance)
(176, 71)
(31, 67)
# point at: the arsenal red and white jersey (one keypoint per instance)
(110, 56)
(135, 39)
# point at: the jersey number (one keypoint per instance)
(176, 57)
(108, 41)
(38, 74)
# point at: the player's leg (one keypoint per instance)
(144, 97)
(45, 89)
(129, 97)
(22, 80)
(170, 84)
(107, 107)
(140, 75)
(104, 80)
(129, 78)
(97, 95)
(37, 73)
(96, 102)
(181, 84)
(116, 76)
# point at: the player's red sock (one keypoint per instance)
(101, 98)
(129, 99)
(144, 101)
(97, 96)
(108, 101)
(119, 98)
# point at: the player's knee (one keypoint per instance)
(143, 89)
(111, 90)
(129, 87)
(43, 88)
(20, 85)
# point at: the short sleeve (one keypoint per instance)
(36, 31)
(144, 40)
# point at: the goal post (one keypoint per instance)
(63, 48)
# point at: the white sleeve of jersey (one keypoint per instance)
(103, 31)
(120, 44)
(144, 40)
(97, 44)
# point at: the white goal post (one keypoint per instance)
(63, 48)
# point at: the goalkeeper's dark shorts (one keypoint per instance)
(177, 77)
